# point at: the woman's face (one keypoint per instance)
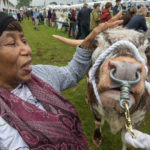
(15, 59)
(98, 8)
(109, 8)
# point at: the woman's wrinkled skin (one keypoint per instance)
(15, 59)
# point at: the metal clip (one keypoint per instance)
(128, 124)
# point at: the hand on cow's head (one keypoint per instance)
(89, 42)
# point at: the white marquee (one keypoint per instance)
(73, 2)
(6, 5)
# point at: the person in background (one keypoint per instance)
(138, 22)
(127, 17)
(58, 13)
(10, 13)
(45, 16)
(15, 14)
(49, 16)
(94, 17)
(105, 13)
(84, 20)
(53, 18)
(36, 18)
(61, 21)
(22, 15)
(32, 15)
(27, 13)
(78, 26)
(19, 16)
(72, 17)
(117, 8)
(41, 18)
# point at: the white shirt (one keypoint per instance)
(10, 139)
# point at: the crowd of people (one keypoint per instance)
(17, 14)
(80, 22)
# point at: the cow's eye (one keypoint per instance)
(147, 51)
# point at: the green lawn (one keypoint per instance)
(47, 50)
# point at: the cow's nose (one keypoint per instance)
(125, 70)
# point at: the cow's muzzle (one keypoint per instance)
(124, 69)
(125, 86)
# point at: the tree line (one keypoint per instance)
(22, 3)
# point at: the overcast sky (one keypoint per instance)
(41, 2)
(35, 2)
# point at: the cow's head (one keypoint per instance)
(126, 67)
(125, 64)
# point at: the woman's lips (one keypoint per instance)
(27, 67)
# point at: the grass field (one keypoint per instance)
(46, 50)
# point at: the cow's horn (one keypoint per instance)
(68, 41)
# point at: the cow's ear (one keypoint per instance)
(147, 52)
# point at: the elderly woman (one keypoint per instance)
(34, 115)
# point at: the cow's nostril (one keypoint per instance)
(139, 69)
(125, 70)
(111, 65)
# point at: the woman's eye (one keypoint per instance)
(11, 44)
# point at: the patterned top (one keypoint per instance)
(60, 78)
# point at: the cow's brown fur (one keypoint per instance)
(103, 81)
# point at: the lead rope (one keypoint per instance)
(100, 59)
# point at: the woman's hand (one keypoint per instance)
(142, 140)
(89, 42)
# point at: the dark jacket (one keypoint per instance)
(84, 15)
(138, 22)
(53, 17)
(73, 16)
(126, 18)
(116, 9)
(49, 14)
(105, 15)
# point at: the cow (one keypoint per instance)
(126, 67)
